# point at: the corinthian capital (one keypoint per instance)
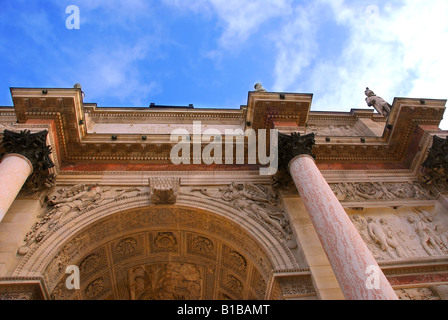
(291, 146)
(32, 146)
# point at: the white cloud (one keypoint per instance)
(402, 52)
(296, 46)
(243, 18)
(238, 19)
(115, 74)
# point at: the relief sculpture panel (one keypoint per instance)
(258, 202)
(168, 281)
(66, 204)
(405, 233)
(365, 191)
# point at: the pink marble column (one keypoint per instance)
(14, 171)
(351, 260)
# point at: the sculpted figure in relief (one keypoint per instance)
(79, 197)
(170, 281)
(63, 203)
(384, 238)
(253, 200)
(427, 239)
(247, 198)
(443, 233)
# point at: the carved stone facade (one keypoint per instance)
(164, 190)
(109, 201)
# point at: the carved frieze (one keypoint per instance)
(333, 130)
(64, 205)
(364, 191)
(16, 296)
(295, 286)
(168, 281)
(258, 202)
(412, 233)
(22, 289)
(416, 294)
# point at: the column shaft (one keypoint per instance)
(14, 171)
(350, 258)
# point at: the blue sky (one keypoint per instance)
(211, 52)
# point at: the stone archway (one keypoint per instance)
(162, 252)
(131, 249)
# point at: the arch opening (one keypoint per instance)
(162, 253)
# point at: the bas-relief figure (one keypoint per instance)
(170, 281)
(410, 234)
(383, 236)
(65, 204)
(254, 200)
(378, 103)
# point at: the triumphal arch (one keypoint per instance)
(267, 201)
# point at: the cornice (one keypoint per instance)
(414, 266)
(140, 178)
(65, 107)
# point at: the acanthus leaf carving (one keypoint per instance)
(291, 146)
(32, 146)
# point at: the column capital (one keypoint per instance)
(32, 146)
(294, 145)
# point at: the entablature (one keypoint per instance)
(357, 140)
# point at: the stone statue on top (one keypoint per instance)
(378, 103)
